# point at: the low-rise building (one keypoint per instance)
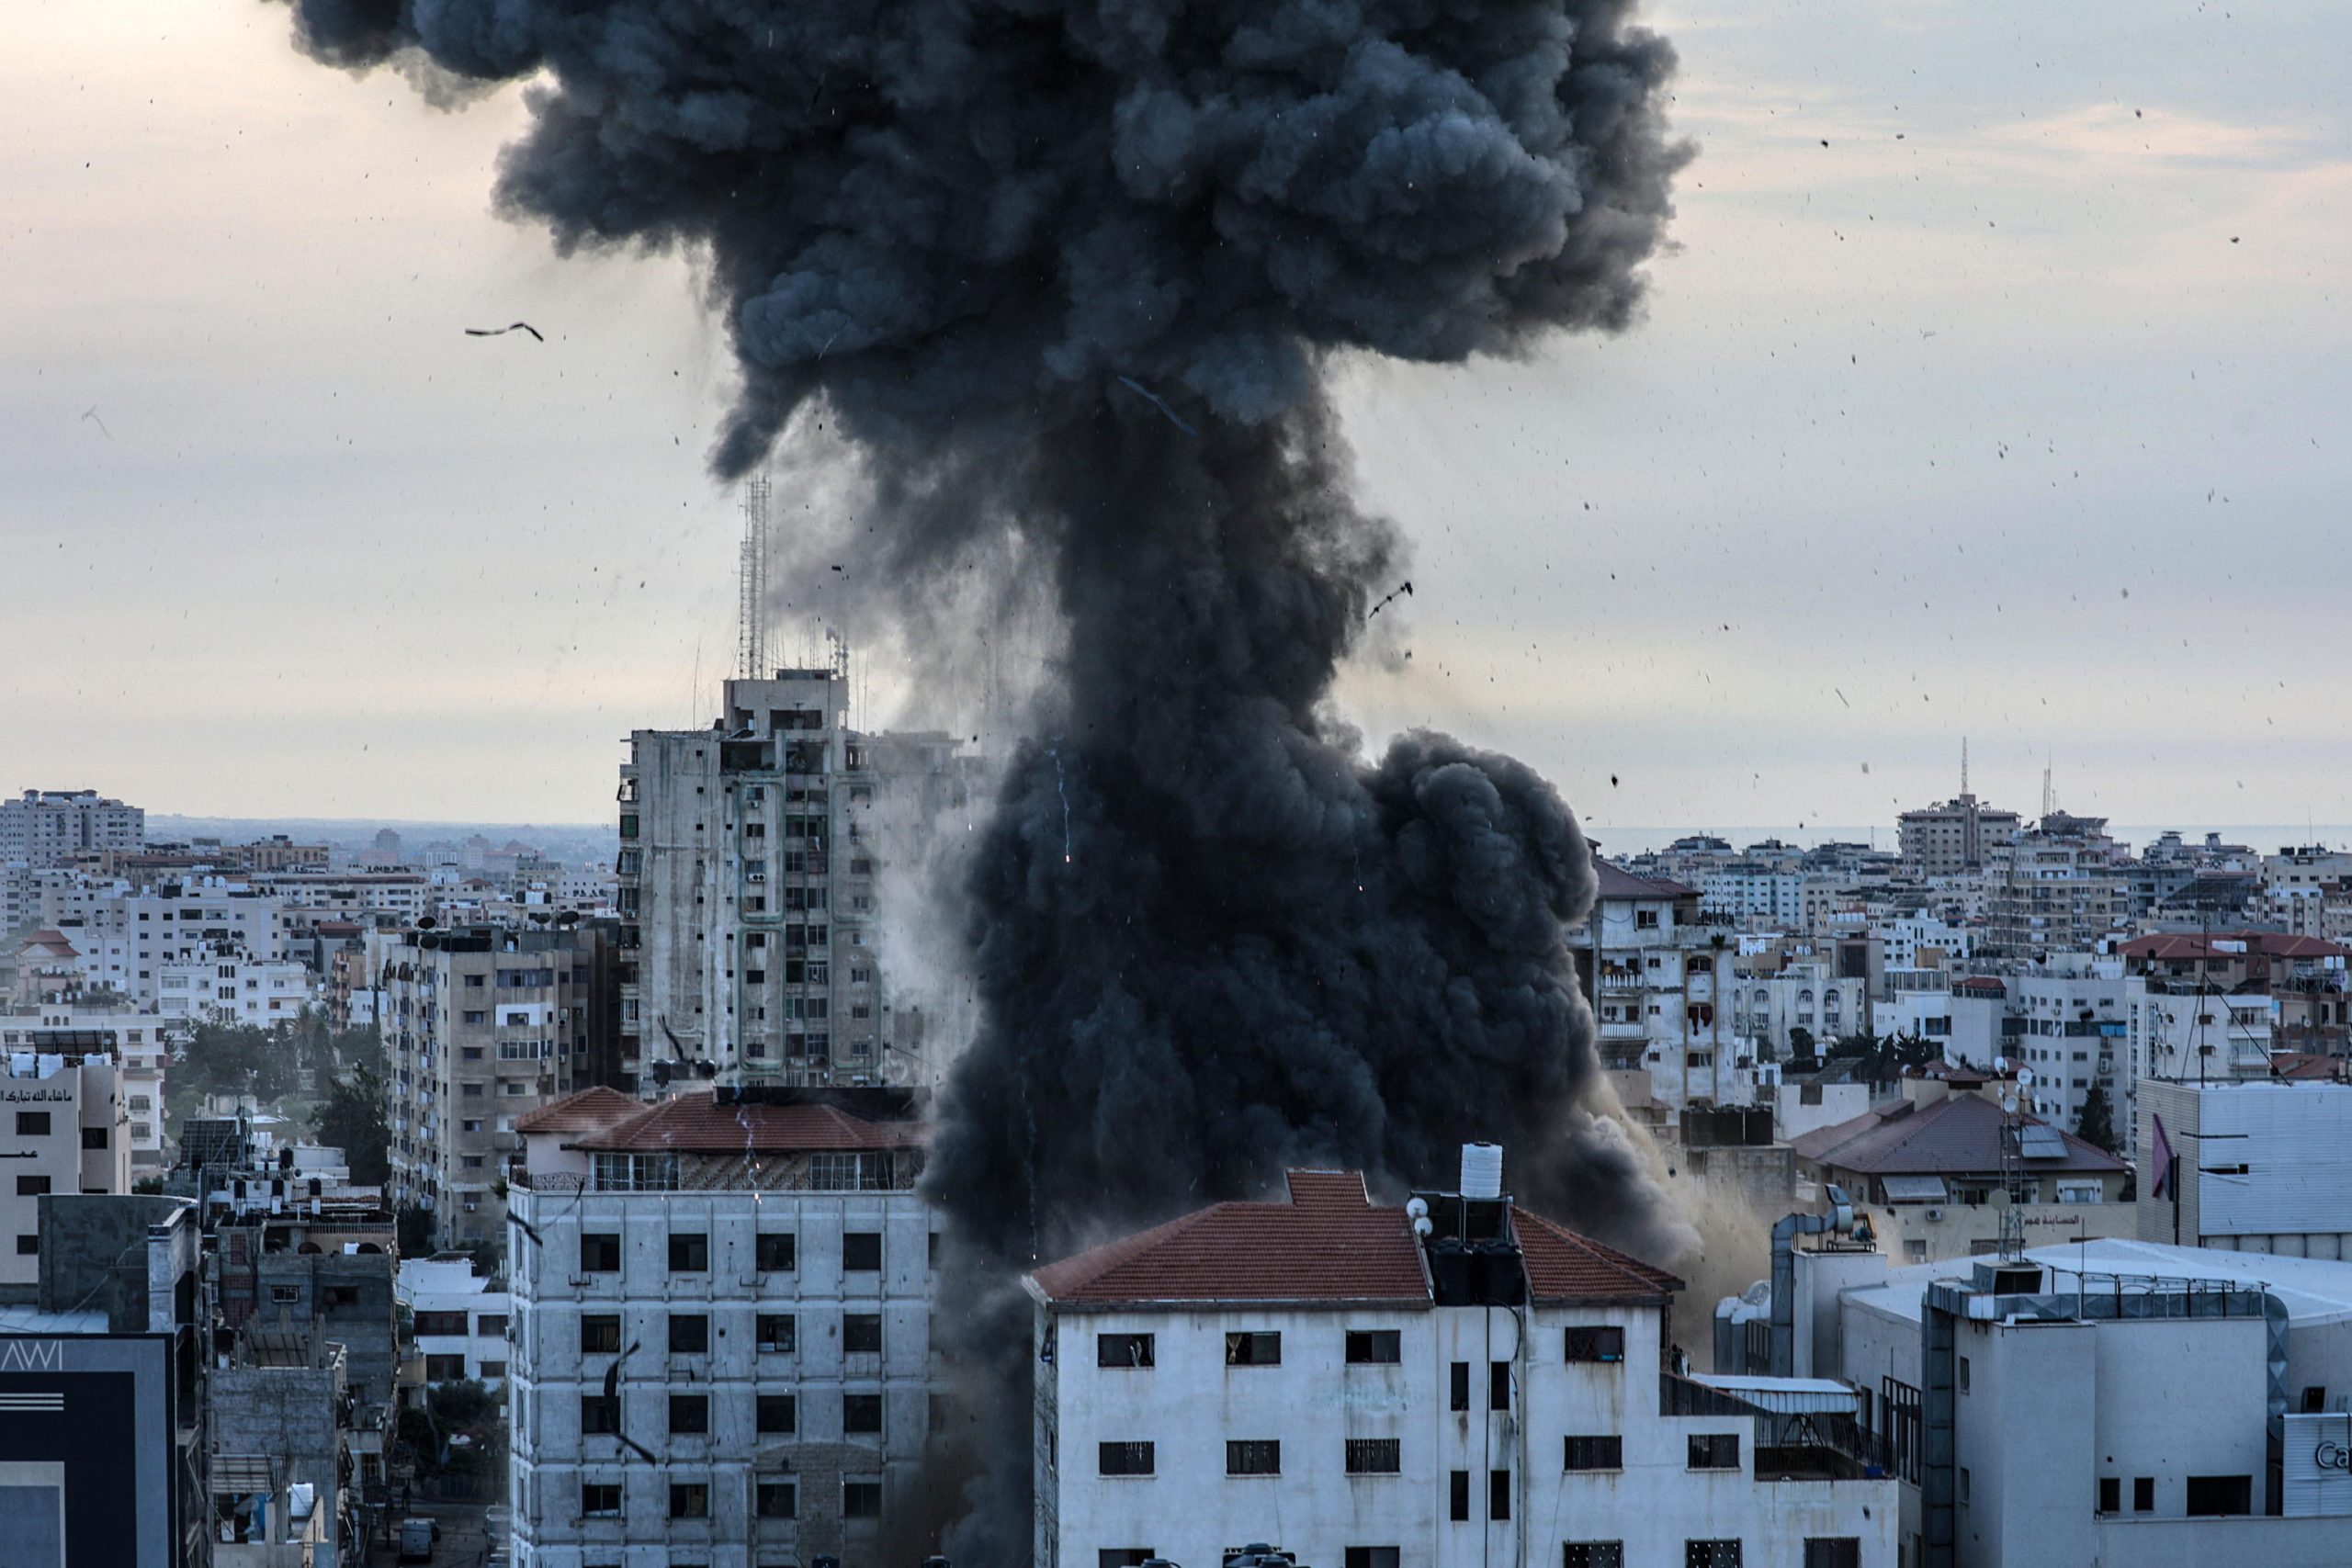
(457, 1322)
(63, 1129)
(1452, 1381)
(722, 1327)
(2247, 1166)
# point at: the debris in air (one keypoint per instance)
(1156, 400)
(1406, 588)
(91, 413)
(501, 332)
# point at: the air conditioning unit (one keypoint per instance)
(1935, 1213)
(756, 876)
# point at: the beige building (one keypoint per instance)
(52, 827)
(63, 1129)
(1957, 837)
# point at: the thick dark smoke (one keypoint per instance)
(1070, 271)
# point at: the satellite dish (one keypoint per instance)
(2025, 1077)
(2001, 1064)
(2009, 1104)
(425, 922)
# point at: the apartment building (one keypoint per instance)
(54, 826)
(124, 936)
(63, 1129)
(746, 890)
(1649, 964)
(228, 986)
(2056, 889)
(1955, 837)
(1453, 1381)
(2074, 1028)
(457, 1324)
(722, 1345)
(481, 1026)
(140, 1044)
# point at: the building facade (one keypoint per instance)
(722, 1328)
(54, 826)
(1954, 839)
(63, 1129)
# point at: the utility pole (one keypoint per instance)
(751, 583)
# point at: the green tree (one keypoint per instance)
(1799, 1042)
(352, 1118)
(413, 1230)
(2096, 1125)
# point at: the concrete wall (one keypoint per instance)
(2128, 1542)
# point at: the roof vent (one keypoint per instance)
(1482, 1170)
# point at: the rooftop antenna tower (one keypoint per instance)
(2013, 1096)
(1963, 765)
(752, 582)
(2049, 792)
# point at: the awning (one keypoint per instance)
(237, 1474)
(1914, 1188)
(1787, 1397)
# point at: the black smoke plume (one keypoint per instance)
(1070, 271)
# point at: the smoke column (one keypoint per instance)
(1070, 272)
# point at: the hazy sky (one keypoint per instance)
(2015, 411)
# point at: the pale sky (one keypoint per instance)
(2018, 410)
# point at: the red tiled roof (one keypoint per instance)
(697, 1124)
(1327, 1242)
(2306, 1066)
(1956, 1136)
(1617, 884)
(583, 1112)
(1982, 984)
(2267, 944)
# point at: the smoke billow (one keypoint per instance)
(1068, 271)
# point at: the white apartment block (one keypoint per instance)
(400, 898)
(50, 826)
(62, 1129)
(722, 1329)
(1312, 1374)
(125, 937)
(480, 1027)
(227, 987)
(140, 1046)
(1651, 970)
(1755, 894)
(2114, 1403)
(457, 1322)
(1766, 1007)
(746, 891)
(2075, 1023)
(1958, 836)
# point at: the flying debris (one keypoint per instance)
(1158, 402)
(501, 332)
(91, 413)
(1406, 588)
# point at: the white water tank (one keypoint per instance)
(1482, 1170)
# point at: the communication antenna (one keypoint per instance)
(1963, 764)
(2012, 1244)
(752, 582)
(2049, 792)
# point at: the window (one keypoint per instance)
(689, 1334)
(444, 1368)
(1967, 1487)
(1123, 1556)
(2212, 1494)
(1374, 1348)
(1126, 1458)
(690, 1254)
(1461, 1389)
(2143, 1494)
(1594, 1452)
(1594, 1343)
(689, 1414)
(287, 1294)
(861, 1252)
(1833, 1552)
(32, 1124)
(1253, 1456)
(1592, 1554)
(1123, 1350)
(2110, 1494)
(1458, 1496)
(1963, 1374)
(490, 1324)
(599, 1254)
(598, 1414)
(1711, 1554)
(599, 1333)
(96, 1137)
(777, 1413)
(2314, 1399)
(862, 1413)
(862, 1333)
(31, 1186)
(1714, 1451)
(861, 1499)
(690, 1500)
(1253, 1349)
(777, 1499)
(776, 1331)
(600, 1500)
(494, 1369)
(1376, 1456)
(1498, 1495)
(1498, 1385)
(774, 1254)
(440, 1322)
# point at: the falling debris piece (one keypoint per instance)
(1157, 401)
(501, 332)
(1841, 696)
(91, 413)
(1613, 781)
(1406, 588)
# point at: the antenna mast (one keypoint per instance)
(751, 583)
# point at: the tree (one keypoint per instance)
(413, 1230)
(1799, 1042)
(352, 1118)
(2096, 1125)
(231, 1058)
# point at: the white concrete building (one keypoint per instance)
(1306, 1373)
(2076, 1024)
(50, 826)
(1754, 894)
(749, 1273)
(226, 986)
(1651, 970)
(140, 1046)
(457, 1322)
(2253, 1166)
(63, 1130)
(1766, 1007)
(2114, 1403)
(125, 937)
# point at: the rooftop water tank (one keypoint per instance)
(1482, 1170)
